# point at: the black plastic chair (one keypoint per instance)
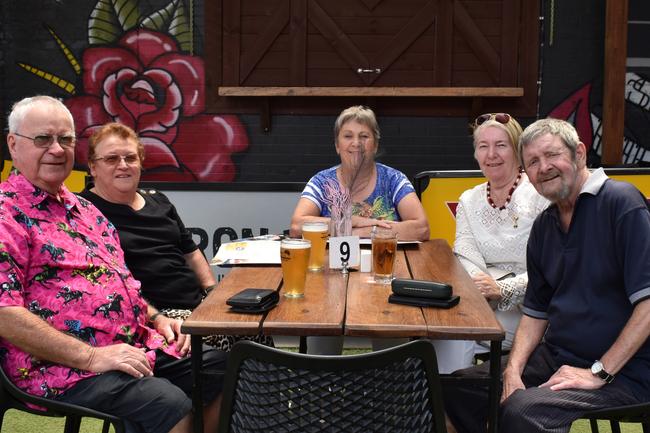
(637, 413)
(393, 390)
(12, 397)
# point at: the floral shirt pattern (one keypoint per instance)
(63, 262)
(391, 187)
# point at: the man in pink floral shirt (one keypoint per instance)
(74, 326)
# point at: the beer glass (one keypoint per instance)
(317, 233)
(384, 249)
(294, 256)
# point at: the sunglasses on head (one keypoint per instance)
(502, 118)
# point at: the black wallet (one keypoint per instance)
(253, 300)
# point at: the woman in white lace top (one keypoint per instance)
(493, 221)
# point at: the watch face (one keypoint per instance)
(596, 367)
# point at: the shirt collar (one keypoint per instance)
(25, 187)
(592, 186)
(594, 182)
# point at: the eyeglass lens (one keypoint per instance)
(45, 140)
(130, 159)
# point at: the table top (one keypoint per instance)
(353, 304)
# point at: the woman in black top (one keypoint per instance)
(159, 250)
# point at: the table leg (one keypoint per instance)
(495, 386)
(197, 385)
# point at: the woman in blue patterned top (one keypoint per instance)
(381, 195)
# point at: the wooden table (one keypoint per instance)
(353, 304)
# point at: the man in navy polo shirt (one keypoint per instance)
(582, 341)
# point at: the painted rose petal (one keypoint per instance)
(147, 45)
(218, 136)
(98, 63)
(111, 100)
(157, 154)
(89, 114)
(190, 71)
(168, 114)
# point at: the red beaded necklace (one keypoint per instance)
(512, 190)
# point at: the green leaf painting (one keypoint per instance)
(110, 19)
(173, 20)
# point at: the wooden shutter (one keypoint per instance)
(376, 43)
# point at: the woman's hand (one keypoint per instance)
(171, 330)
(487, 286)
(360, 222)
(362, 226)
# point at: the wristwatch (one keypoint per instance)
(597, 369)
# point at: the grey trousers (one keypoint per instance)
(533, 409)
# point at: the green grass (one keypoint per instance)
(21, 422)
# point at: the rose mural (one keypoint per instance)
(144, 78)
(146, 83)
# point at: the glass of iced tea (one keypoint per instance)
(317, 232)
(384, 249)
(294, 256)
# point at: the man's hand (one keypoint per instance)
(511, 382)
(122, 357)
(487, 286)
(572, 377)
(171, 330)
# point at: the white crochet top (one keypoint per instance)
(494, 241)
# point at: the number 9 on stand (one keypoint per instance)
(344, 250)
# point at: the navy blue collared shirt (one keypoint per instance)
(586, 281)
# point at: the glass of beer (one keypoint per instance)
(317, 233)
(294, 256)
(384, 250)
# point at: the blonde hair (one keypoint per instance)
(512, 129)
(360, 114)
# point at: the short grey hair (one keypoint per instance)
(361, 114)
(556, 127)
(22, 107)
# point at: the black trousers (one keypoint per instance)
(533, 409)
(150, 404)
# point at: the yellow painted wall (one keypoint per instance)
(435, 198)
(641, 181)
(444, 190)
(74, 182)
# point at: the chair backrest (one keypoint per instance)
(12, 397)
(634, 413)
(393, 390)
